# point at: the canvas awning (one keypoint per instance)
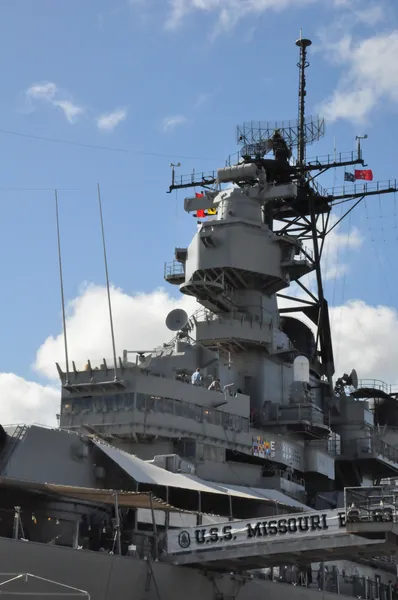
(125, 499)
(146, 473)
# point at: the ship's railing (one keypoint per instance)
(318, 188)
(35, 423)
(371, 504)
(328, 446)
(145, 403)
(203, 314)
(195, 177)
(329, 579)
(362, 188)
(336, 157)
(97, 364)
(304, 253)
(272, 413)
(378, 384)
(173, 268)
(362, 448)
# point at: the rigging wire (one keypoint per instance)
(337, 263)
(99, 147)
(343, 289)
(377, 255)
(363, 326)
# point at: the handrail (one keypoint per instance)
(363, 188)
(378, 384)
(363, 447)
(173, 267)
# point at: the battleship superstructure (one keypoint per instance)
(277, 421)
(237, 417)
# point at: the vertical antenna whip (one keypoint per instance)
(61, 279)
(107, 280)
(303, 44)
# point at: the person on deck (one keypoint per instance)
(215, 386)
(196, 377)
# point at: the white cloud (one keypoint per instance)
(371, 15)
(108, 121)
(70, 110)
(229, 12)
(170, 123)
(50, 93)
(364, 338)
(361, 12)
(370, 76)
(42, 91)
(139, 323)
(27, 401)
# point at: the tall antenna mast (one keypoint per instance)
(107, 280)
(303, 44)
(62, 288)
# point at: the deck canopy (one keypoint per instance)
(144, 472)
(125, 499)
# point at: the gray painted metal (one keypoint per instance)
(259, 555)
(108, 577)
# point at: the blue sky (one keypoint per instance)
(179, 76)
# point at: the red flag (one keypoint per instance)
(199, 195)
(365, 174)
(200, 213)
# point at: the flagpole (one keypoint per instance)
(107, 280)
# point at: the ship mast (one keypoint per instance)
(303, 44)
(306, 215)
(323, 323)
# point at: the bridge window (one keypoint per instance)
(208, 415)
(169, 405)
(178, 408)
(198, 413)
(141, 401)
(188, 410)
(157, 404)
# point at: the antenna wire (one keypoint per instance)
(107, 279)
(61, 279)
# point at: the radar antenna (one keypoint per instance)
(176, 320)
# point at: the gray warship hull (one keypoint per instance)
(107, 577)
